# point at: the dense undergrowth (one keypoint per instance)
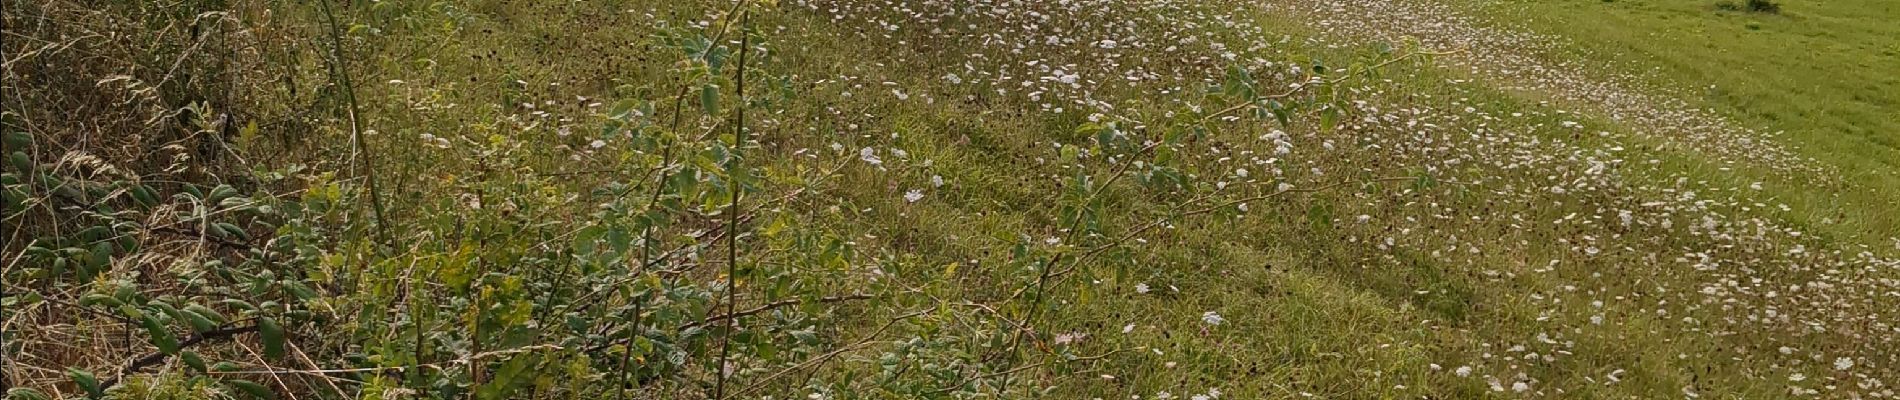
(844, 199)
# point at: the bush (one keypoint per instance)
(1760, 6)
(1764, 6)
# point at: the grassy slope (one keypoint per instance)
(1313, 303)
(1310, 309)
(1321, 324)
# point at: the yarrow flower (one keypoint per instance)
(1212, 318)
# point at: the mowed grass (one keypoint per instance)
(1827, 73)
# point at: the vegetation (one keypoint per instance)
(935, 200)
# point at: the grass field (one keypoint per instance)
(831, 199)
(1822, 72)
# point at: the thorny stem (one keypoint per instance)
(815, 361)
(1042, 280)
(732, 217)
(340, 68)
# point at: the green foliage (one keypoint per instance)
(86, 381)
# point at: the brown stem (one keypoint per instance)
(156, 358)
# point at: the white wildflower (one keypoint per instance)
(1212, 318)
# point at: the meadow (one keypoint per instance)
(950, 199)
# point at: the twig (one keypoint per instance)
(152, 359)
(436, 365)
(739, 134)
(770, 306)
(340, 68)
(1025, 367)
(89, 310)
(827, 356)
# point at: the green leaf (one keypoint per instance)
(194, 191)
(1280, 113)
(512, 375)
(273, 335)
(193, 360)
(100, 257)
(165, 308)
(99, 298)
(198, 322)
(1329, 119)
(239, 304)
(1320, 216)
(145, 196)
(21, 162)
(254, 389)
(233, 231)
(19, 140)
(623, 109)
(86, 382)
(21, 393)
(298, 289)
(161, 337)
(709, 99)
(206, 312)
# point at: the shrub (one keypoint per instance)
(1764, 6)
